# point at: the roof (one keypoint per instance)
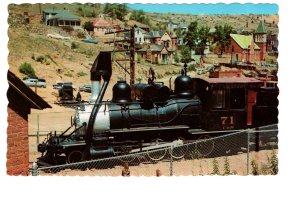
(261, 27)
(101, 23)
(244, 41)
(154, 34)
(51, 11)
(155, 48)
(173, 35)
(61, 14)
(234, 82)
(17, 85)
(66, 15)
(138, 24)
(231, 80)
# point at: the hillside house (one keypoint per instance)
(156, 54)
(272, 42)
(102, 26)
(20, 100)
(132, 23)
(53, 17)
(163, 38)
(172, 26)
(139, 35)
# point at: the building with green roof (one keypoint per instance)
(243, 49)
(53, 17)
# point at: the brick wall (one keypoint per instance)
(17, 143)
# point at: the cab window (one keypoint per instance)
(218, 99)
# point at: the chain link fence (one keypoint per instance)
(251, 151)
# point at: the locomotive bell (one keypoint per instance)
(184, 85)
(121, 92)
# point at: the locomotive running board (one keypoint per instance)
(175, 143)
(150, 129)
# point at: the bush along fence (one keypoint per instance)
(247, 152)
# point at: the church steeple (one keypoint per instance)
(260, 35)
(261, 28)
(260, 38)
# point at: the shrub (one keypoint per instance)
(68, 74)
(185, 54)
(192, 67)
(81, 74)
(215, 167)
(226, 166)
(176, 57)
(255, 171)
(74, 45)
(27, 69)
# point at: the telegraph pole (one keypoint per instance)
(131, 50)
(132, 61)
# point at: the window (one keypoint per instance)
(237, 98)
(218, 99)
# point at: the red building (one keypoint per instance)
(21, 99)
(248, 48)
(243, 49)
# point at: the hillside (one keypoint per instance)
(71, 60)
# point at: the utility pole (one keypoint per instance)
(131, 50)
(132, 61)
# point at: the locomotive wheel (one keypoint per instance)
(180, 151)
(159, 154)
(75, 156)
(205, 147)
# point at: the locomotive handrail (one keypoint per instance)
(83, 124)
(162, 123)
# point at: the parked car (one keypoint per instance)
(32, 82)
(57, 85)
(90, 41)
(29, 77)
(58, 36)
(85, 88)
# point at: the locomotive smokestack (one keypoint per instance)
(101, 68)
(96, 86)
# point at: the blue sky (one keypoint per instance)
(196, 9)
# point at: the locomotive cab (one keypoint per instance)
(227, 102)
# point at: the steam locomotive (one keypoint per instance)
(158, 116)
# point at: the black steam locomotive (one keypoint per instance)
(159, 116)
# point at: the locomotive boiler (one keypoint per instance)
(157, 117)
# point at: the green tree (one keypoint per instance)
(185, 54)
(179, 33)
(116, 10)
(222, 36)
(27, 69)
(88, 26)
(204, 37)
(176, 57)
(191, 35)
(139, 16)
